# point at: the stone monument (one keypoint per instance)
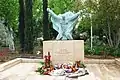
(64, 49)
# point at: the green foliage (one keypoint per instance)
(108, 18)
(41, 63)
(37, 18)
(40, 70)
(3, 35)
(55, 5)
(105, 21)
(100, 48)
(82, 65)
(9, 11)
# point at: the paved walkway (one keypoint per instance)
(26, 71)
(105, 71)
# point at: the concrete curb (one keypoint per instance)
(99, 61)
(25, 60)
(11, 63)
(117, 61)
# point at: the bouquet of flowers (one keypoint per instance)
(70, 69)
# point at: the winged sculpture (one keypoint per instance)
(64, 24)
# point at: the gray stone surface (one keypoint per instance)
(64, 51)
(26, 71)
(105, 71)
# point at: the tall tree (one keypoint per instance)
(28, 27)
(37, 18)
(21, 25)
(9, 11)
(45, 21)
(109, 19)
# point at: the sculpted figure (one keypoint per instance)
(64, 24)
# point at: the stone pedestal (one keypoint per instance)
(64, 51)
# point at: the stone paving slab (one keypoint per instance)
(99, 70)
(26, 71)
(19, 71)
(105, 71)
(11, 63)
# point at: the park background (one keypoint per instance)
(31, 25)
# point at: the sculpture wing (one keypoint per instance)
(74, 16)
(55, 20)
(56, 23)
(72, 20)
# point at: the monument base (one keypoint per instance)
(64, 51)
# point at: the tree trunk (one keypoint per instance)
(109, 34)
(45, 21)
(28, 27)
(118, 39)
(21, 25)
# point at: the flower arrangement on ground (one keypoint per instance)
(48, 68)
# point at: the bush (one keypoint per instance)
(102, 50)
(95, 51)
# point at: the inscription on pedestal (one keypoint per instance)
(62, 51)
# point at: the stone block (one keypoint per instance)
(64, 51)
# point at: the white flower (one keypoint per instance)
(38, 52)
